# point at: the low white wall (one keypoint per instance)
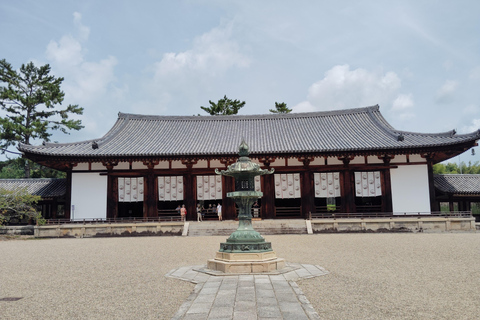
(410, 190)
(89, 196)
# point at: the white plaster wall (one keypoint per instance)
(89, 196)
(410, 191)
(374, 159)
(358, 160)
(98, 166)
(333, 160)
(122, 166)
(319, 161)
(294, 162)
(216, 164)
(81, 166)
(399, 158)
(201, 164)
(177, 164)
(417, 158)
(138, 165)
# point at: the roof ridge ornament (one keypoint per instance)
(244, 165)
(243, 149)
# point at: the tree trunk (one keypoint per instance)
(27, 168)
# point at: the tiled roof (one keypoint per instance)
(457, 183)
(45, 188)
(316, 132)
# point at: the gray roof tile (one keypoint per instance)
(45, 188)
(316, 132)
(458, 183)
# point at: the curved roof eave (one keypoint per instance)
(122, 129)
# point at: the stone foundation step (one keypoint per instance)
(264, 227)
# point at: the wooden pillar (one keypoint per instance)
(150, 196)
(387, 203)
(229, 211)
(307, 193)
(268, 200)
(68, 195)
(53, 209)
(112, 197)
(189, 195)
(431, 187)
(348, 185)
(349, 197)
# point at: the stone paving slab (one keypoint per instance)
(246, 296)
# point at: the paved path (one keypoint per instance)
(247, 296)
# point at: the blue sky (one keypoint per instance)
(419, 60)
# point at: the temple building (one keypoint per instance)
(51, 191)
(458, 192)
(347, 161)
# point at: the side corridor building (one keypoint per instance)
(349, 161)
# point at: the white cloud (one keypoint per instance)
(84, 81)
(402, 102)
(211, 55)
(342, 88)
(473, 126)
(475, 73)
(471, 109)
(91, 79)
(445, 93)
(183, 78)
(83, 31)
(402, 106)
(66, 52)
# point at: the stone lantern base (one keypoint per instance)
(249, 262)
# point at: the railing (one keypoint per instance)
(288, 212)
(369, 208)
(335, 215)
(327, 209)
(162, 218)
(168, 212)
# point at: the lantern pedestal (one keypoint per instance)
(245, 251)
(246, 262)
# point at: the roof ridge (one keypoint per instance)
(131, 116)
(457, 174)
(31, 179)
(377, 117)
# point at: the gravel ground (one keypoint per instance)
(372, 276)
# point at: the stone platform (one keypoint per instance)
(235, 296)
(251, 262)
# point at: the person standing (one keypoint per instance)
(219, 212)
(183, 212)
(199, 213)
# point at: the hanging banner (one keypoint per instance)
(368, 184)
(130, 189)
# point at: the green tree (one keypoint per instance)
(18, 205)
(454, 168)
(280, 108)
(224, 106)
(15, 169)
(30, 99)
